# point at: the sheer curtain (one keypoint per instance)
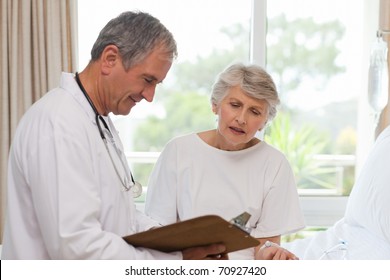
(38, 42)
(384, 24)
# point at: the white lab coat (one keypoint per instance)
(65, 200)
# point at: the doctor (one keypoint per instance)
(70, 191)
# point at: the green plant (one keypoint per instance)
(304, 233)
(300, 144)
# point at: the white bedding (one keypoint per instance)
(341, 241)
(364, 232)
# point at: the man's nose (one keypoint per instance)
(148, 93)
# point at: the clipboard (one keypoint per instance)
(200, 231)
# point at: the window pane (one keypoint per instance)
(314, 53)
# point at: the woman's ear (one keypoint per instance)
(264, 126)
(109, 58)
(214, 108)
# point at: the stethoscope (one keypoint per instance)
(127, 183)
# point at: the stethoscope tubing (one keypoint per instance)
(97, 118)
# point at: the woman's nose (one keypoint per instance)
(241, 119)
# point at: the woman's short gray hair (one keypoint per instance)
(135, 34)
(252, 79)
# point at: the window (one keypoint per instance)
(317, 52)
(314, 54)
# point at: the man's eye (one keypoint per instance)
(149, 81)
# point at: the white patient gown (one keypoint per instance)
(191, 179)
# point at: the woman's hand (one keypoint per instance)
(272, 251)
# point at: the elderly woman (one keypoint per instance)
(228, 170)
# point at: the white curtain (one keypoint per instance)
(384, 24)
(38, 42)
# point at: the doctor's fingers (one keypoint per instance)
(223, 256)
(210, 252)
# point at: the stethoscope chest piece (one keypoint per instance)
(136, 189)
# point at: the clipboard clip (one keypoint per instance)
(241, 220)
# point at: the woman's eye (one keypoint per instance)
(235, 105)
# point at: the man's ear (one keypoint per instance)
(109, 58)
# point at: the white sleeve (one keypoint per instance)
(144, 222)
(281, 212)
(161, 198)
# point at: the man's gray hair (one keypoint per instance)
(136, 34)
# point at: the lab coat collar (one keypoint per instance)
(69, 84)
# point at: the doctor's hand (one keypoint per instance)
(210, 252)
(272, 251)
